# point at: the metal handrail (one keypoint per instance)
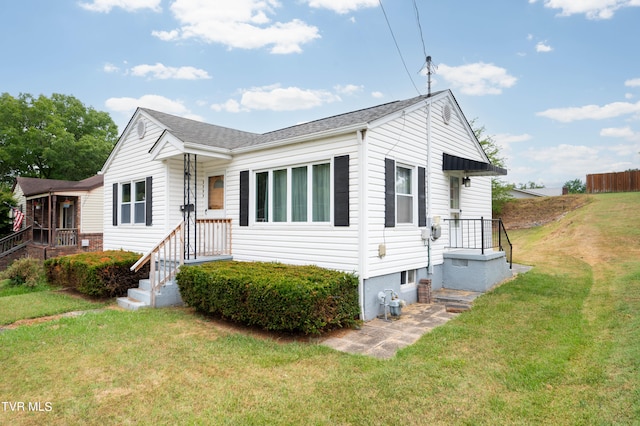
(480, 234)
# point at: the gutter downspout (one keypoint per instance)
(363, 226)
(429, 179)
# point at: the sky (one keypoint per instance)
(555, 83)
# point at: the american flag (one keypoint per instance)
(18, 217)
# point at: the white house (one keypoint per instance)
(378, 191)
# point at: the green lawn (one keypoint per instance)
(558, 345)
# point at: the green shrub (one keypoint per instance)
(98, 274)
(26, 272)
(272, 296)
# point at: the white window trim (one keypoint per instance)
(206, 190)
(309, 221)
(132, 203)
(411, 275)
(414, 203)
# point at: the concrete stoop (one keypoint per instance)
(137, 298)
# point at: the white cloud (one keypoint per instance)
(105, 6)
(477, 79)
(349, 89)
(243, 24)
(377, 95)
(617, 132)
(592, 9)
(342, 6)
(276, 98)
(128, 105)
(163, 72)
(542, 47)
(110, 68)
(230, 106)
(634, 82)
(591, 112)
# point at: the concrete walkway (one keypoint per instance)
(382, 339)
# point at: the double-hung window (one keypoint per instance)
(132, 202)
(294, 194)
(404, 194)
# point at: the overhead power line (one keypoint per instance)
(398, 47)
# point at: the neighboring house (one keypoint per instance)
(61, 217)
(369, 192)
(536, 193)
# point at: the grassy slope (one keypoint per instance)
(558, 345)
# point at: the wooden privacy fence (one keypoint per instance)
(614, 182)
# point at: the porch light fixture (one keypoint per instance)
(466, 181)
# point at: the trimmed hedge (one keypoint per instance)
(272, 296)
(98, 274)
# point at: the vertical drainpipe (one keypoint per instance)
(363, 227)
(429, 212)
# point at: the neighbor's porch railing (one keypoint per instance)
(214, 238)
(64, 237)
(14, 241)
(480, 234)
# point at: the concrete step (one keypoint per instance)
(131, 304)
(461, 297)
(140, 294)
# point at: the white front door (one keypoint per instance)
(215, 196)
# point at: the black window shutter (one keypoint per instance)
(389, 193)
(341, 190)
(244, 198)
(114, 215)
(422, 198)
(149, 201)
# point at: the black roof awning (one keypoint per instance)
(470, 167)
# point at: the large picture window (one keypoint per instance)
(294, 194)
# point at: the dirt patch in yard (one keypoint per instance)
(532, 212)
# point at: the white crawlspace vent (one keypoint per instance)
(446, 113)
(141, 127)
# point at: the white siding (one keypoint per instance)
(92, 211)
(309, 243)
(21, 200)
(403, 139)
(132, 162)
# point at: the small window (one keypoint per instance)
(125, 203)
(408, 277)
(133, 197)
(139, 208)
(216, 193)
(404, 194)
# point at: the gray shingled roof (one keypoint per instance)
(208, 134)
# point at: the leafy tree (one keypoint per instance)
(529, 185)
(575, 186)
(499, 189)
(6, 200)
(52, 138)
